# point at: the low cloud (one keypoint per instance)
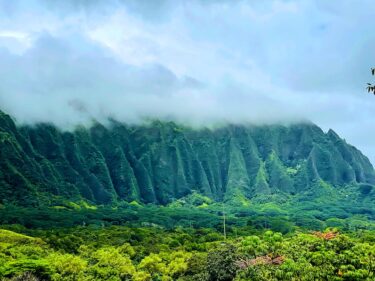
(68, 82)
(201, 62)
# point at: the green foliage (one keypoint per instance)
(146, 202)
(161, 162)
(66, 266)
(221, 263)
(110, 264)
(122, 253)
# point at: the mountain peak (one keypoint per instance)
(333, 135)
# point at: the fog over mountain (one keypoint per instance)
(201, 62)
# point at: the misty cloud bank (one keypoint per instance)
(73, 82)
(201, 62)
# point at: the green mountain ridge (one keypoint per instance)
(163, 161)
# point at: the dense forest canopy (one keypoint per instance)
(140, 254)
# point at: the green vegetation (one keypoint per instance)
(183, 241)
(122, 253)
(162, 162)
(147, 203)
(314, 209)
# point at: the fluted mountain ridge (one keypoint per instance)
(163, 161)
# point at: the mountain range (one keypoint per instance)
(160, 162)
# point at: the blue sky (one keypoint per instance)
(201, 62)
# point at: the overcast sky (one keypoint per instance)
(200, 62)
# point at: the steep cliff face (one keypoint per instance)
(160, 162)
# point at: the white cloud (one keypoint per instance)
(196, 61)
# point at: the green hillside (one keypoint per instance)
(162, 161)
(148, 203)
